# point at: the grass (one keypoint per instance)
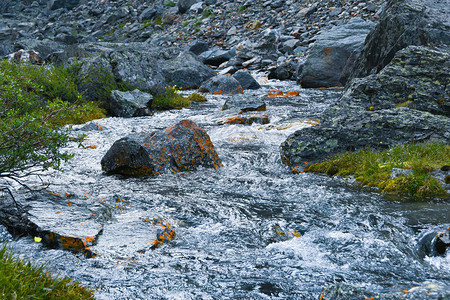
(196, 97)
(19, 279)
(171, 99)
(372, 168)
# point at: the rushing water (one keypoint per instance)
(235, 226)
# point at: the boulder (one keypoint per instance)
(417, 77)
(333, 55)
(68, 4)
(442, 242)
(244, 103)
(184, 5)
(284, 71)
(246, 80)
(186, 71)
(198, 47)
(216, 57)
(403, 23)
(222, 84)
(405, 101)
(130, 104)
(182, 147)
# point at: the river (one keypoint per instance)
(249, 230)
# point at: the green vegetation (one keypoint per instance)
(242, 8)
(169, 3)
(34, 104)
(170, 99)
(196, 97)
(19, 279)
(374, 168)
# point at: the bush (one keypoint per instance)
(33, 107)
(196, 97)
(170, 99)
(19, 279)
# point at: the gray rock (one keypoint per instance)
(130, 104)
(216, 57)
(197, 47)
(397, 172)
(401, 24)
(182, 147)
(222, 84)
(68, 4)
(333, 55)
(246, 80)
(184, 5)
(244, 103)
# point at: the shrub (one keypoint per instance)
(20, 279)
(196, 97)
(33, 107)
(170, 99)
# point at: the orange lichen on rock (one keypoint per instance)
(280, 94)
(165, 232)
(275, 93)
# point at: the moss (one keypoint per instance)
(20, 279)
(408, 103)
(170, 99)
(374, 168)
(196, 97)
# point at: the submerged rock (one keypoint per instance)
(182, 147)
(246, 119)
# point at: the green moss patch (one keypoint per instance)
(170, 99)
(372, 168)
(20, 279)
(196, 97)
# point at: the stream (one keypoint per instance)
(249, 230)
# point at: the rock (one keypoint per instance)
(442, 242)
(333, 55)
(397, 172)
(401, 24)
(246, 80)
(216, 57)
(342, 129)
(61, 221)
(222, 84)
(25, 56)
(184, 5)
(282, 72)
(197, 47)
(68, 4)
(417, 77)
(186, 71)
(182, 147)
(246, 119)
(130, 104)
(244, 103)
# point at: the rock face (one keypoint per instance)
(246, 80)
(403, 23)
(333, 55)
(182, 147)
(130, 104)
(406, 101)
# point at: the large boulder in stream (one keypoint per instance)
(130, 104)
(333, 55)
(407, 100)
(182, 147)
(222, 84)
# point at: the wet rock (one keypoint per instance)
(244, 103)
(222, 84)
(331, 58)
(442, 242)
(246, 80)
(401, 24)
(92, 126)
(130, 104)
(246, 119)
(182, 147)
(61, 221)
(348, 292)
(282, 72)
